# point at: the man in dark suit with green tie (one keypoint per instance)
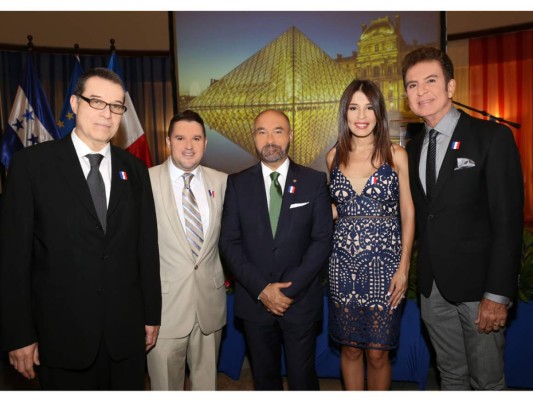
(276, 236)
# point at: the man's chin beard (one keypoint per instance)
(271, 157)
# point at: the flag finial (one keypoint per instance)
(112, 47)
(30, 42)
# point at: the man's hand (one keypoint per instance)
(151, 336)
(274, 300)
(491, 316)
(23, 359)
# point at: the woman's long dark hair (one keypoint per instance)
(382, 144)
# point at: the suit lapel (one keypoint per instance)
(259, 197)
(69, 167)
(284, 215)
(212, 204)
(169, 204)
(118, 185)
(418, 141)
(449, 162)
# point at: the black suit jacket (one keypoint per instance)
(298, 253)
(63, 282)
(469, 237)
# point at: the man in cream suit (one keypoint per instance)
(188, 200)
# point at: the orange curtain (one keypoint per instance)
(501, 83)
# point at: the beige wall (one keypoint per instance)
(90, 29)
(149, 30)
(472, 21)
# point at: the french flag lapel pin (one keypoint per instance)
(211, 193)
(374, 180)
(291, 188)
(455, 145)
(123, 175)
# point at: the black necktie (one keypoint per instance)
(431, 169)
(97, 188)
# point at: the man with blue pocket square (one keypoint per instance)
(467, 187)
(276, 236)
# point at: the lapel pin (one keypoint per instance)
(455, 145)
(211, 193)
(292, 189)
(123, 175)
(374, 180)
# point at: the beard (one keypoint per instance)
(271, 153)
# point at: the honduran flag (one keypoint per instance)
(130, 135)
(67, 118)
(31, 120)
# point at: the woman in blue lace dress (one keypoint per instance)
(369, 264)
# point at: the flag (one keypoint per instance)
(31, 120)
(67, 119)
(130, 135)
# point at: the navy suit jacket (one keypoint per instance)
(64, 283)
(469, 237)
(298, 253)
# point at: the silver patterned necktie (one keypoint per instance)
(431, 169)
(193, 219)
(97, 188)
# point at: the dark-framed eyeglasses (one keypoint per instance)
(98, 104)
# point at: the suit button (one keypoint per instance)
(196, 267)
(430, 216)
(104, 257)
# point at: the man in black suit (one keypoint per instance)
(467, 187)
(276, 237)
(80, 292)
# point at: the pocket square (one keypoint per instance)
(463, 163)
(296, 205)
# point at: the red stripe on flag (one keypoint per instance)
(140, 149)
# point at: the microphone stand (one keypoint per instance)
(491, 117)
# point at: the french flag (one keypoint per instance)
(130, 135)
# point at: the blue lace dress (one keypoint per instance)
(366, 254)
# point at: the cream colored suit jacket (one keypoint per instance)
(189, 289)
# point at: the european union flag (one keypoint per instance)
(67, 119)
(31, 120)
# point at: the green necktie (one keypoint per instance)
(275, 202)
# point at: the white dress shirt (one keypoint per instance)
(197, 188)
(283, 170)
(105, 165)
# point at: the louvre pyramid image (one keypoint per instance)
(290, 74)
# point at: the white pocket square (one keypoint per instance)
(296, 205)
(463, 163)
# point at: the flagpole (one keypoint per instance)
(30, 43)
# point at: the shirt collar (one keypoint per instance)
(82, 149)
(447, 124)
(176, 173)
(283, 169)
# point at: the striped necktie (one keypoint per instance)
(193, 219)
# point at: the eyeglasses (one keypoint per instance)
(98, 104)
